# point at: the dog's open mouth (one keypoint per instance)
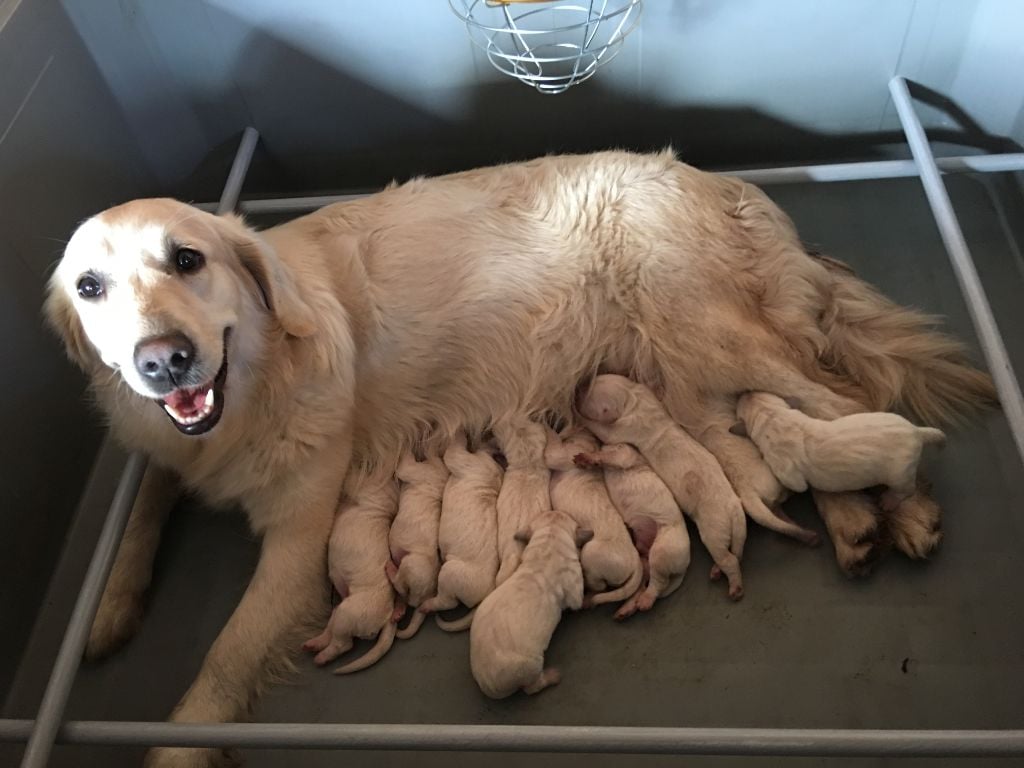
(195, 410)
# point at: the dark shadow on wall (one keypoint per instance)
(324, 129)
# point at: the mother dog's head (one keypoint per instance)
(171, 298)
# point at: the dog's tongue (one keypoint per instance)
(187, 402)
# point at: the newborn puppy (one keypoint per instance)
(524, 491)
(760, 492)
(618, 410)
(357, 554)
(468, 534)
(610, 561)
(414, 561)
(847, 454)
(514, 624)
(649, 510)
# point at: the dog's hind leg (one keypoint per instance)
(121, 607)
(915, 526)
(852, 521)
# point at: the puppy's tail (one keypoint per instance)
(895, 356)
(415, 622)
(931, 436)
(780, 523)
(624, 591)
(456, 625)
(385, 640)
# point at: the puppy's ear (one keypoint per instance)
(583, 535)
(62, 317)
(794, 402)
(523, 536)
(739, 428)
(275, 280)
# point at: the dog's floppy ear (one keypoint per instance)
(583, 535)
(274, 279)
(523, 536)
(739, 428)
(62, 317)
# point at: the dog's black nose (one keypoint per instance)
(164, 358)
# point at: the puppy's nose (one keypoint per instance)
(164, 358)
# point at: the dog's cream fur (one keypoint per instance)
(459, 300)
(413, 539)
(618, 410)
(612, 568)
(524, 491)
(648, 508)
(514, 624)
(847, 454)
(356, 558)
(468, 534)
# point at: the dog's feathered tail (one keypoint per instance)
(895, 356)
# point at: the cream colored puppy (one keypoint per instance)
(357, 554)
(610, 561)
(468, 535)
(514, 623)
(847, 454)
(524, 494)
(618, 410)
(647, 507)
(414, 561)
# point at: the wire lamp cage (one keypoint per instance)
(549, 44)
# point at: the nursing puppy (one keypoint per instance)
(847, 454)
(514, 624)
(760, 492)
(610, 561)
(650, 511)
(357, 554)
(524, 494)
(414, 561)
(468, 535)
(618, 410)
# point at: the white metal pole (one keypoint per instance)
(963, 264)
(871, 170)
(823, 742)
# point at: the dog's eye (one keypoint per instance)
(89, 287)
(188, 260)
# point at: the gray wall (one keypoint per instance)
(65, 151)
(351, 93)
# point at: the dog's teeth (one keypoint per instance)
(209, 398)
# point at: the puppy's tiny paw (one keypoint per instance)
(117, 620)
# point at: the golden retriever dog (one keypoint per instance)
(850, 453)
(261, 368)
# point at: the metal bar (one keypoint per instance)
(963, 264)
(542, 738)
(865, 171)
(239, 169)
(58, 688)
(55, 698)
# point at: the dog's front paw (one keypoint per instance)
(170, 757)
(916, 525)
(117, 620)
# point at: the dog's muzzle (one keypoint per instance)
(196, 410)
